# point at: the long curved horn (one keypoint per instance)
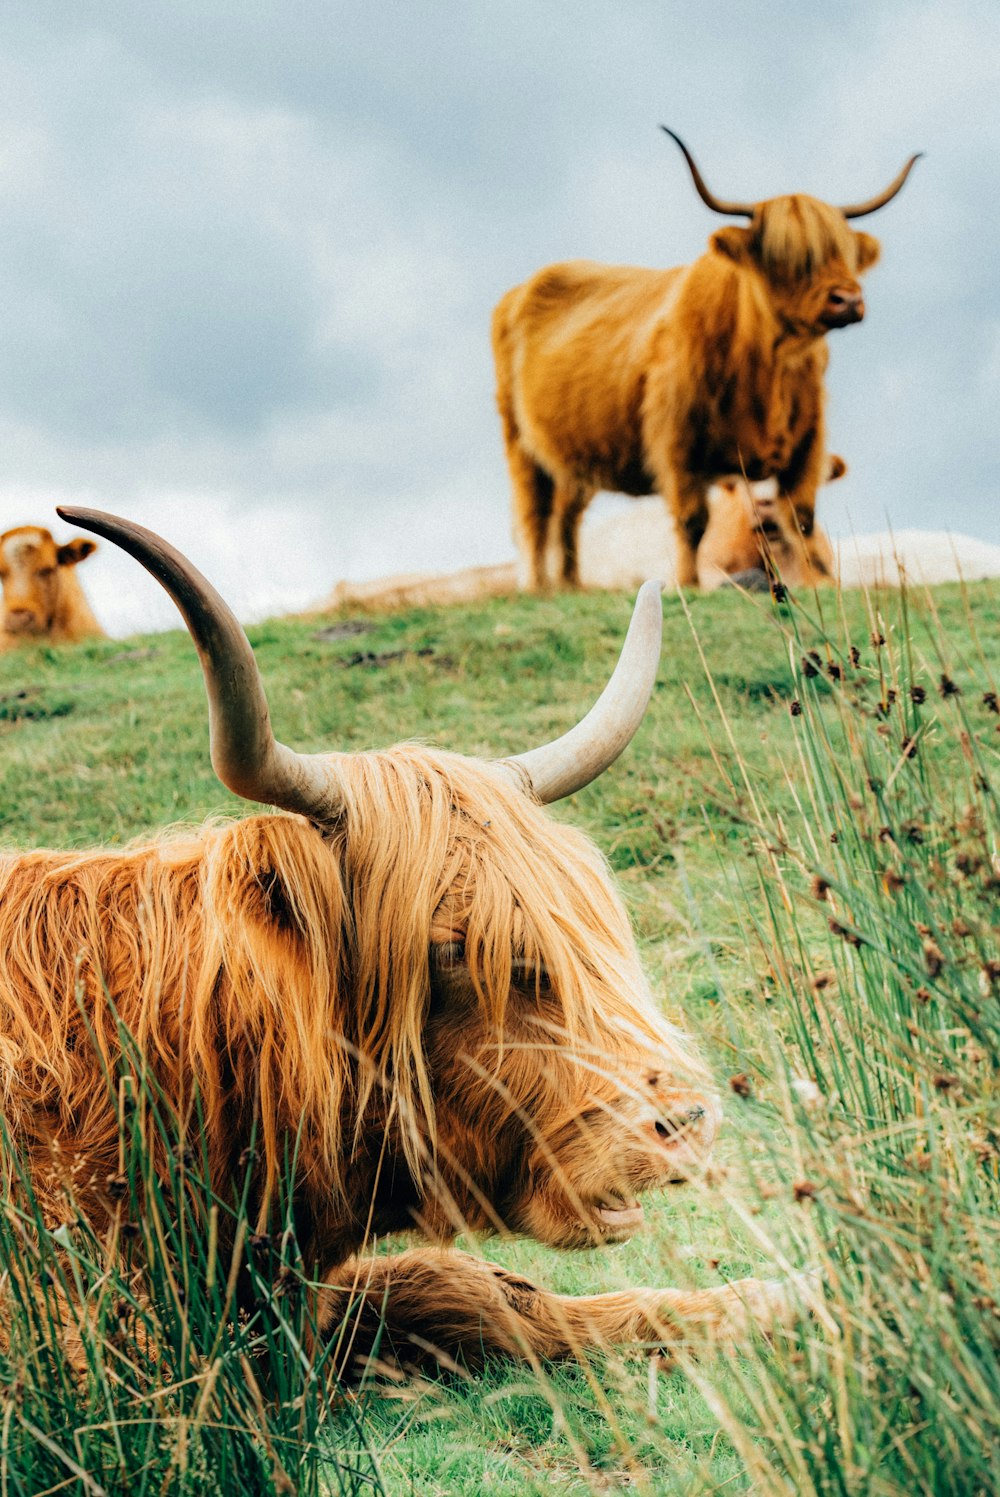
(579, 756)
(858, 210)
(245, 754)
(718, 205)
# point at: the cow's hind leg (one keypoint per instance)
(533, 501)
(571, 499)
(432, 1305)
(532, 492)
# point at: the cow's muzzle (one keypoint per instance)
(844, 305)
(20, 621)
(684, 1132)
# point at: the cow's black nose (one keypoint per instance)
(844, 304)
(668, 1127)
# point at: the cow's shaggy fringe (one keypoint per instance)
(798, 235)
(273, 973)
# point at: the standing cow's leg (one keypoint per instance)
(570, 500)
(799, 483)
(687, 500)
(808, 548)
(532, 487)
(533, 494)
(437, 1305)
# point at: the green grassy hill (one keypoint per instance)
(806, 832)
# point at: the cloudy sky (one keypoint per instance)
(249, 253)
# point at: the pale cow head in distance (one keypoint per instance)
(42, 596)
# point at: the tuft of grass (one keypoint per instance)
(870, 912)
(176, 1351)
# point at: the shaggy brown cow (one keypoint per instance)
(642, 381)
(420, 980)
(42, 596)
(752, 537)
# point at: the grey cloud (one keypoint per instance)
(145, 289)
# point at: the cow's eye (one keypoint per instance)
(45, 572)
(446, 954)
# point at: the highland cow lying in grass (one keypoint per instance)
(416, 986)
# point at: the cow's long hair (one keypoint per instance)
(798, 235)
(274, 971)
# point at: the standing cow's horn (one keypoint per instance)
(579, 756)
(718, 205)
(858, 210)
(245, 754)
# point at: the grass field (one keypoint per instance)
(806, 833)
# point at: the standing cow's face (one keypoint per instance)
(563, 1103)
(30, 562)
(810, 259)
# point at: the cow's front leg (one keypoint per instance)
(433, 1305)
(687, 499)
(810, 555)
(799, 483)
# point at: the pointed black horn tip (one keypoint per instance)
(100, 521)
(88, 519)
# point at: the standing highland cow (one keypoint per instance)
(416, 984)
(642, 381)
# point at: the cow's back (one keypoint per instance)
(571, 346)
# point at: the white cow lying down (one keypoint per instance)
(623, 549)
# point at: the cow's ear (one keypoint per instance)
(868, 249)
(837, 467)
(75, 551)
(731, 241)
